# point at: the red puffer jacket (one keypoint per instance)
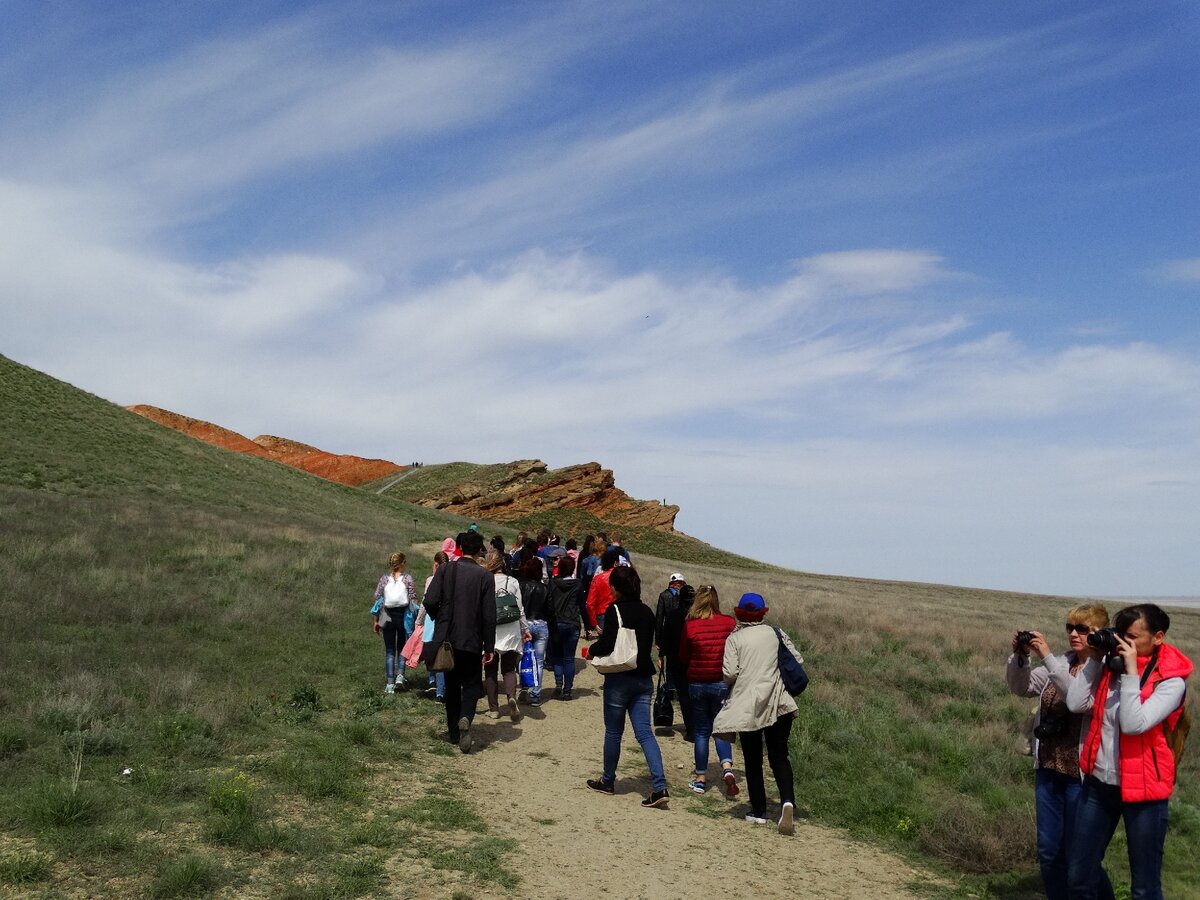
(702, 646)
(1146, 763)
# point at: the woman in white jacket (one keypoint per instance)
(510, 638)
(759, 709)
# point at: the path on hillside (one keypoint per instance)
(396, 480)
(528, 782)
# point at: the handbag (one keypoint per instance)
(664, 709)
(791, 670)
(623, 657)
(529, 666)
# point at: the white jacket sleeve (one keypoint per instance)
(1081, 695)
(1136, 715)
(1023, 679)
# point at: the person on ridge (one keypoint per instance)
(462, 600)
(674, 604)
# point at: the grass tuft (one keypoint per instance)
(189, 876)
(25, 867)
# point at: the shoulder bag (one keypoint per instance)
(624, 653)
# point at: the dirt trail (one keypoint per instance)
(577, 842)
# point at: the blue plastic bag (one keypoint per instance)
(530, 670)
(377, 607)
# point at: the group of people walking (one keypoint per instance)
(482, 606)
(1109, 722)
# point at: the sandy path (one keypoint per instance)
(575, 841)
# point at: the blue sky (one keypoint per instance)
(876, 289)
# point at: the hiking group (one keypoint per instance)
(492, 622)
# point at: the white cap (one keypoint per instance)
(675, 577)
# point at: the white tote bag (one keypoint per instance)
(624, 653)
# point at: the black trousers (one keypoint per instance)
(776, 737)
(464, 687)
(677, 671)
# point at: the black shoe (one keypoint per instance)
(464, 734)
(566, 695)
(601, 786)
(657, 800)
(690, 738)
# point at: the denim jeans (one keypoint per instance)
(564, 662)
(437, 680)
(1056, 797)
(540, 632)
(627, 692)
(706, 698)
(393, 643)
(1100, 806)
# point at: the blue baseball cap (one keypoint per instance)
(752, 603)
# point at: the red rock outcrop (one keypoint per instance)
(342, 468)
(527, 487)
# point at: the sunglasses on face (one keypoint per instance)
(1078, 628)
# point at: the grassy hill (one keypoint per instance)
(199, 617)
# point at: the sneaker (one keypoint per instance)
(754, 819)
(601, 786)
(535, 701)
(513, 712)
(698, 786)
(523, 695)
(439, 699)
(389, 688)
(657, 800)
(566, 695)
(464, 734)
(731, 785)
(431, 691)
(786, 824)
(558, 691)
(493, 713)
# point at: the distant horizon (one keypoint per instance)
(906, 292)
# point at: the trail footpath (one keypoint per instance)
(527, 781)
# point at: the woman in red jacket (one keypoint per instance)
(702, 650)
(1136, 697)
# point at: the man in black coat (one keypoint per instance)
(462, 600)
(673, 606)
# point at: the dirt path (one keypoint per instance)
(576, 842)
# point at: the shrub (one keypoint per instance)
(52, 804)
(25, 867)
(187, 876)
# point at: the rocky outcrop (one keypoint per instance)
(528, 487)
(342, 468)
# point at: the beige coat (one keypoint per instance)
(751, 667)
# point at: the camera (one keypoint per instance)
(1104, 640)
(1024, 639)
(1051, 727)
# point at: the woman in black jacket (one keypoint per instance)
(629, 692)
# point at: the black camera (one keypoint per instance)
(1104, 640)
(1051, 727)
(1024, 639)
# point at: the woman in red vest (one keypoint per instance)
(1136, 697)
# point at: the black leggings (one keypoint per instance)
(776, 737)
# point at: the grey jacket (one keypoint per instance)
(757, 696)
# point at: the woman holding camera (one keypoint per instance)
(1058, 731)
(1135, 695)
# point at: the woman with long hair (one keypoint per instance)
(437, 680)
(628, 693)
(397, 591)
(702, 652)
(510, 636)
(535, 601)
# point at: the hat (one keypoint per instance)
(752, 603)
(675, 576)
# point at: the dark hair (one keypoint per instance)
(626, 583)
(570, 544)
(1156, 619)
(530, 569)
(440, 558)
(498, 543)
(543, 537)
(566, 567)
(609, 558)
(471, 543)
(585, 549)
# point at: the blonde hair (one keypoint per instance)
(1091, 614)
(494, 561)
(706, 605)
(397, 561)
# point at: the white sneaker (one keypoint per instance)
(389, 688)
(755, 820)
(786, 824)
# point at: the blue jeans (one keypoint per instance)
(626, 692)
(540, 632)
(564, 660)
(706, 698)
(1100, 806)
(1056, 797)
(393, 643)
(437, 681)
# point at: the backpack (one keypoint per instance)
(395, 592)
(507, 609)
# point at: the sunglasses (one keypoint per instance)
(1078, 628)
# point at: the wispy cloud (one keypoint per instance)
(1179, 271)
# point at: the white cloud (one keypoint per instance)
(1182, 271)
